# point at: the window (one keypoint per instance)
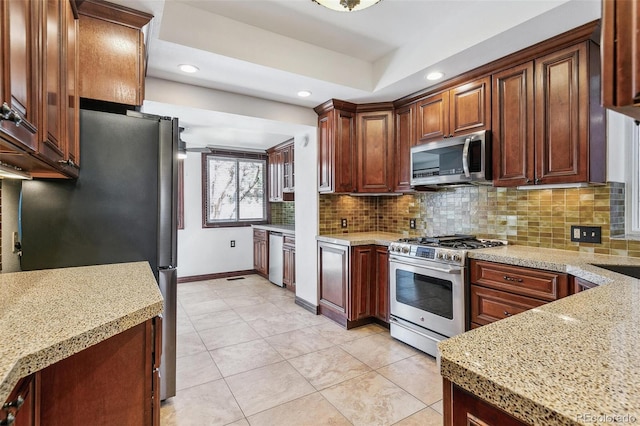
(633, 193)
(233, 189)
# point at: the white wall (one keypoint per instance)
(619, 137)
(203, 251)
(10, 196)
(306, 189)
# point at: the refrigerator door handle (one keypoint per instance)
(166, 268)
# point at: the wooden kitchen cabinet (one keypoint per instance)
(580, 284)
(112, 52)
(281, 172)
(79, 390)
(22, 404)
(620, 45)
(499, 291)
(289, 263)
(375, 149)
(548, 126)
(462, 408)
(405, 138)
(40, 126)
(353, 283)
(462, 109)
(336, 147)
(381, 302)
(261, 252)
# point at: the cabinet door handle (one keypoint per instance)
(508, 278)
(16, 403)
(507, 314)
(6, 113)
(537, 181)
(9, 420)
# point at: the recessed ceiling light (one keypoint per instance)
(304, 93)
(436, 75)
(188, 68)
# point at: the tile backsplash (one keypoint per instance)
(538, 218)
(283, 213)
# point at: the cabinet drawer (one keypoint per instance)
(524, 281)
(260, 234)
(289, 240)
(488, 305)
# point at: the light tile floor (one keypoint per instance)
(248, 355)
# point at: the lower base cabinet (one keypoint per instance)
(289, 263)
(261, 252)
(353, 283)
(114, 382)
(464, 409)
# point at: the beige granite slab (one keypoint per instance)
(48, 315)
(573, 361)
(361, 238)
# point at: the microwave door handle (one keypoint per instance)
(465, 157)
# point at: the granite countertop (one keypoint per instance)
(49, 315)
(572, 361)
(285, 229)
(361, 238)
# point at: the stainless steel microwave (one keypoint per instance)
(455, 160)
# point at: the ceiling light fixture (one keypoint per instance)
(304, 93)
(436, 75)
(188, 68)
(346, 5)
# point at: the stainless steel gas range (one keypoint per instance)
(427, 277)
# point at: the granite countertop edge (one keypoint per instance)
(361, 238)
(38, 343)
(525, 364)
(285, 229)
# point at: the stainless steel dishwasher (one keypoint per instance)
(275, 258)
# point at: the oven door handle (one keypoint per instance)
(394, 259)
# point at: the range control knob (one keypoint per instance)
(455, 257)
(405, 249)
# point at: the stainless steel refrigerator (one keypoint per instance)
(122, 208)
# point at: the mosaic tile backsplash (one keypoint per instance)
(283, 213)
(538, 218)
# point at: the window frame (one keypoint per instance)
(238, 156)
(633, 186)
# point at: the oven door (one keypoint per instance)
(428, 294)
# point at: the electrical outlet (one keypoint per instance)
(412, 223)
(343, 223)
(233, 243)
(586, 234)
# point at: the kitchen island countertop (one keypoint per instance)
(572, 361)
(285, 229)
(49, 315)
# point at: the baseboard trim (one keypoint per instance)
(216, 276)
(307, 305)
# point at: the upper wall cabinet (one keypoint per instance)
(548, 125)
(405, 130)
(375, 149)
(336, 147)
(39, 119)
(112, 57)
(281, 169)
(463, 109)
(20, 73)
(621, 56)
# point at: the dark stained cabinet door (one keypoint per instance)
(22, 407)
(382, 284)
(469, 410)
(73, 96)
(562, 116)
(333, 281)
(621, 56)
(433, 117)
(261, 252)
(336, 152)
(470, 107)
(375, 151)
(362, 270)
(53, 144)
(512, 133)
(405, 131)
(276, 173)
(20, 72)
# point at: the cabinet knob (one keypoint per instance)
(6, 113)
(537, 181)
(16, 403)
(9, 420)
(528, 181)
(507, 314)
